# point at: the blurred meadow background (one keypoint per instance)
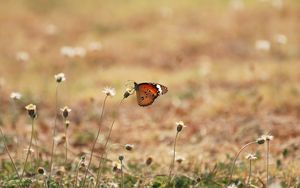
(232, 68)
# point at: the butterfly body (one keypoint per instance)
(146, 93)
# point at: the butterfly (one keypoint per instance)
(146, 93)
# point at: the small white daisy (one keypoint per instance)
(267, 137)
(30, 107)
(263, 45)
(251, 156)
(281, 39)
(179, 159)
(109, 91)
(15, 96)
(67, 51)
(67, 109)
(22, 56)
(180, 123)
(60, 77)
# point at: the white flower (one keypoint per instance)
(280, 39)
(95, 46)
(262, 45)
(267, 137)
(66, 108)
(71, 52)
(179, 159)
(22, 56)
(67, 51)
(60, 77)
(109, 91)
(232, 186)
(31, 107)
(251, 156)
(15, 96)
(180, 123)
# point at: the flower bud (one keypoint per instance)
(31, 109)
(260, 141)
(65, 111)
(180, 126)
(67, 123)
(149, 161)
(126, 94)
(60, 77)
(129, 147)
(41, 171)
(121, 157)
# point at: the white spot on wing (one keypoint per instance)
(159, 89)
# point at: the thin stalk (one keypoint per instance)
(173, 159)
(95, 141)
(122, 175)
(36, 144)
(105, 146)
(267, 162)
(77, 172)
(14, 114)
(7, 151)
(30, 144)
(54, 129)
(250, 172)
(66, 135)
(237, 155)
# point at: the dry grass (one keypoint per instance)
(227, 92)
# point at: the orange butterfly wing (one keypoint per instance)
(146, 93)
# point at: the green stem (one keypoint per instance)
(173, 159)
(267, 164)
(66, 155)
(236, 157)
(95, 141)
(7, 151)
(250, 171)
(29, 149)
(105, 146)
(122, 174)
(54, 129)
(36, 144)
(77, 172)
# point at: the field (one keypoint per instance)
(232, 69)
